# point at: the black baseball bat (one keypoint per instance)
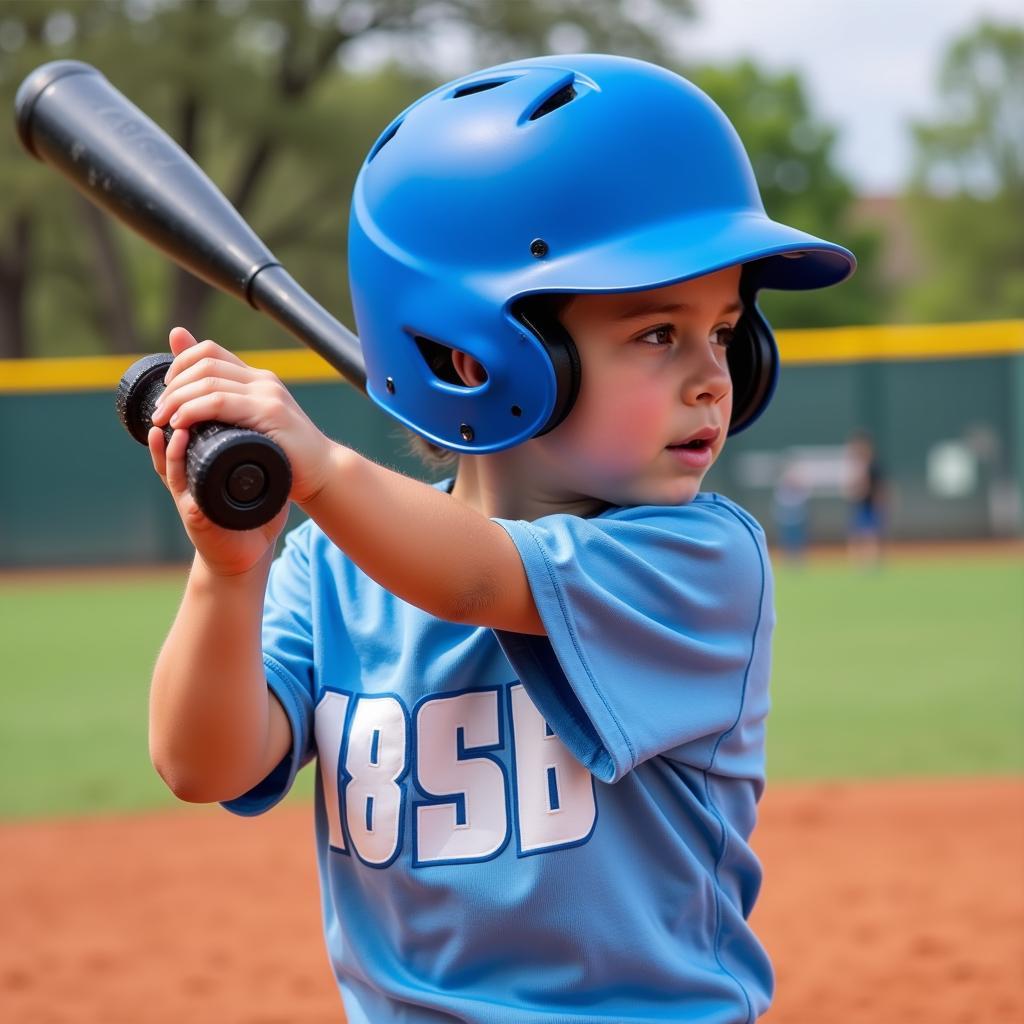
(70, 117)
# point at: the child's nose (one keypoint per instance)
(708, 381)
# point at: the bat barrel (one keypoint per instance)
(70, 117)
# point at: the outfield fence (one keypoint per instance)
(944, 404)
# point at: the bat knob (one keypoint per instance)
(239, 478)
(137, 393)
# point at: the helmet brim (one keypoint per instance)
(667, 253)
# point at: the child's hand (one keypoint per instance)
(207, 382)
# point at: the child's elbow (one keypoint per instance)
(183, 785)
(498, 605)
(185, 782)
(472, 605)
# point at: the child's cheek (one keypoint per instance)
(641, 411)
(633, 424)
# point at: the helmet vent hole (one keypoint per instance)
(469, 90)
(438, 358)
(384, 140)
(557, 99)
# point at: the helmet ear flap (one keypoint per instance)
(753, 366)
(539, 314)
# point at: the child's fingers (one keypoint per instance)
(169, 458)
(177, 478)
(224, 406)
(180, 339)
(210, 366)
(191, 352)
(186, 390)
(155, 439)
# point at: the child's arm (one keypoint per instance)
(215, 729)
(422, 545)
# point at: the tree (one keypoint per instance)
(967, 196)
(792, 153)
(259, 94)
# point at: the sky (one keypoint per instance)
(870, 65)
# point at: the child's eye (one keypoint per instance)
(724, 336)
(657, 336)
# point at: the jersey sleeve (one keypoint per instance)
(288, 660)
(655, 618)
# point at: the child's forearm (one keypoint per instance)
(214, 728)
(424, 546)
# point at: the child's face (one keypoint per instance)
(654, 375)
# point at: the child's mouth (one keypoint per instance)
(692, 455)
(695, 452)
(699, 440)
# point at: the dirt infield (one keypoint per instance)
(883, 902)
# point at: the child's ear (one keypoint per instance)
(469, 369)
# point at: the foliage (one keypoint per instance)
(278, 100)
(263, 96)
(793, 156)
(967, 200)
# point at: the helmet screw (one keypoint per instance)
(539, 248)
(466, 431)
(389, 383)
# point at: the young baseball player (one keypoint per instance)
(535, 691)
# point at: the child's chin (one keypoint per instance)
(676, 492)
(687, 494)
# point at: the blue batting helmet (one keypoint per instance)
(563, 174)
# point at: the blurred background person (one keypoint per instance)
(790, 511)
(866, 495)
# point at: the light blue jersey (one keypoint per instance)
(517, 829)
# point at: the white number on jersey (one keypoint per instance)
(554, 792)
(466, 817)
(375, 759)
(462, 812)
(329, 729)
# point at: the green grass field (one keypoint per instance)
(914, 670)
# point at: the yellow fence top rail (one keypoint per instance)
(825, 345)
(902, 342)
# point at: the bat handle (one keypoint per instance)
(239, 478)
